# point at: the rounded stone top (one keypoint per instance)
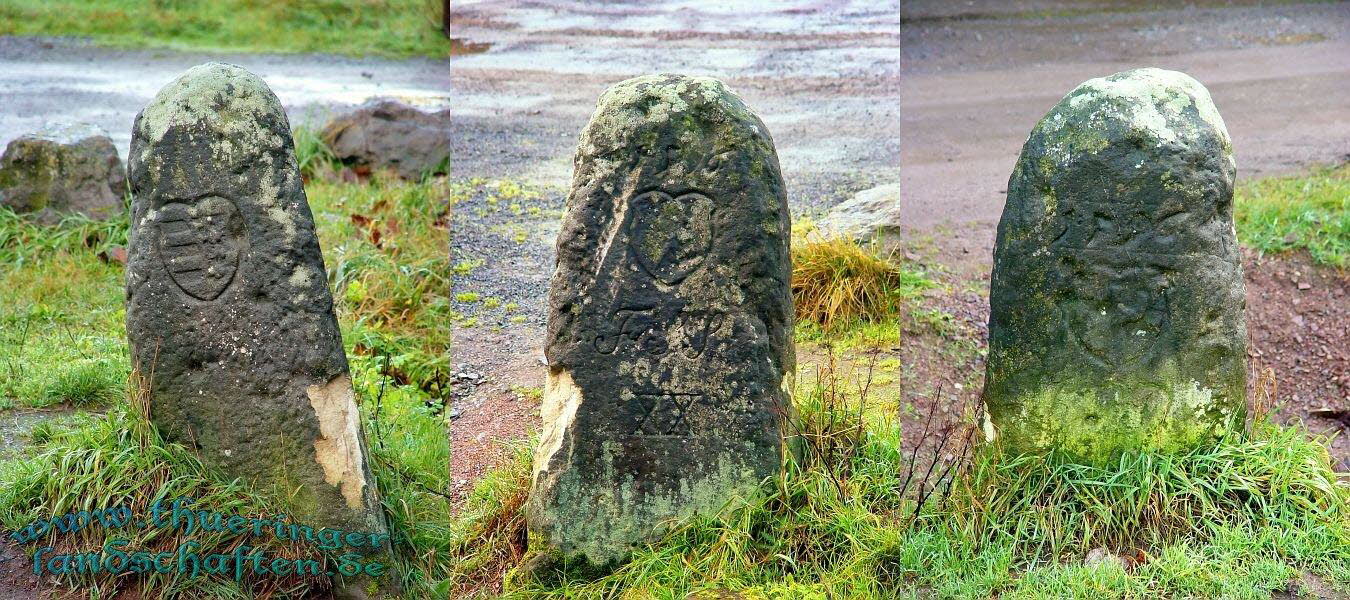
(227, 99)
(661, 100)
(1150, 107)
(672, 92)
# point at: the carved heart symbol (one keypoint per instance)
(671, 236)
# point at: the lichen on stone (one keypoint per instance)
(670, 321)
(198, 96)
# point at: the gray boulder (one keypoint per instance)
(228, 309)
(1117, 298)
(868, 214)
(390, 134)
(670, 323)
(61, 170)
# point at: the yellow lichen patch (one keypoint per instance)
(200, 96)
(338, 447)
(300, 277)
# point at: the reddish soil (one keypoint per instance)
(1298, 322)
(494, 412)
(16, 572)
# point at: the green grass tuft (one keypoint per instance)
(85, 383)
(384, 244)
(61, 312)
(1307, 212)
(312, 153)
(119, 459)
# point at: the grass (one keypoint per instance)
(1237, 520)
(837, 283)
(393, 28)
(1306, 212)
(119, 459)
(61, 315)
(1241, 519)
(61, 304)
(384, 244)
(62, 341)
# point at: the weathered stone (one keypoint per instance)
(228, 309)
(670, 324)
(868, 214)
(60, 170)
(1117, 299)
(390, 134)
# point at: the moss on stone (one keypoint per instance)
(1093, 423)
(710, 323)
(618, 514)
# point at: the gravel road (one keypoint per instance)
(71, 80)
(822, 74)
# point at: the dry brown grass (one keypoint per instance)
(836, 281)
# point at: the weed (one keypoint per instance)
(312, 154)
(464, 267)
(532, 394)
(119, 459)
(60, 312)
(489, 536)
(384, 244)
(936, 320)
(85, 383)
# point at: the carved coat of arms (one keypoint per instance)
(1119, 321)
(200, 243)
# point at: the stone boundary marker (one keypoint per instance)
(1116, 304)
(670, 323)
(228, 310)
